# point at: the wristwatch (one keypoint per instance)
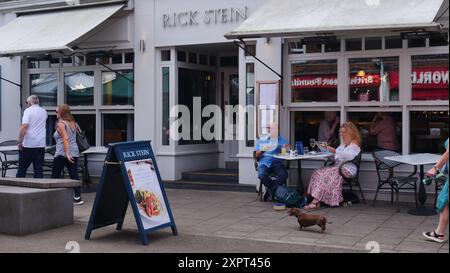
(436, 168)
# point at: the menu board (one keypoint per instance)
(147, 193)
(267, 105)
(130, 176)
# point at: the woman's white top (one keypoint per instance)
(346, 153)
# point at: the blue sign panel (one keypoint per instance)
(131, 175)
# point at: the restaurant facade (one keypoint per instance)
(123, 66)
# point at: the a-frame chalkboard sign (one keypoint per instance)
(130, 174)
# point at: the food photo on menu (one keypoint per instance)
(147, 192)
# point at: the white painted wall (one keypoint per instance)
(10, 100)
(200, 33)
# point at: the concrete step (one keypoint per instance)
(230, 176)
(209, 186)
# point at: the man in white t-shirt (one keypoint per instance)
(32, 138)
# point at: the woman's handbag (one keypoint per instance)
(82, 142)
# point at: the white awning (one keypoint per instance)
(51, 31)
(283, 18)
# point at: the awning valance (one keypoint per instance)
(285, 18)
(51, 31)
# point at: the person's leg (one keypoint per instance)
(38, 162)
(443, 221)
(25, 159)
(73, 174)
(58, 166)
(280, 172)
(263, 175)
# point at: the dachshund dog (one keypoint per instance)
(307, 220)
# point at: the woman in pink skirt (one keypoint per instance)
(326, 183)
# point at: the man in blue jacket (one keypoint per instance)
(266, 148)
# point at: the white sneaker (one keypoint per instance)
(78, 201)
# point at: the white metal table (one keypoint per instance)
(299, 158)
(90, 151)
(418, 160)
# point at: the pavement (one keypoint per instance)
(237, 222)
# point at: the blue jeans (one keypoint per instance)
(28, 156)
(278, 172)
(59, 163)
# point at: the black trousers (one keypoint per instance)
(59, 163)
(28, 156)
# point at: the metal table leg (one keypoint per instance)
(300, 188)
(422, 197)
(87, 177)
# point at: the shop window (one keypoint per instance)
(203, 59)
(165, 106)
(374, 79)
(313, 48)
(416, 42)
(181, 56)
(192, 58)
(44, 62)
(429, 131)
(333, 46)
(381, 130)
(251, 50)
(212, 61)
(195, 83)
(78, 60)
(117, 58)
(165, 55)
(429, 77)
(393, 42)
(296, 48)
(319, 126)
(87, 125)
(129, 58)
(354, 44)
(91, 59)
(79, 88)
(45, 86)
(250, 101)
(438, 39)
(50, 129)
(373, 43)
(67, 62)
(117, 88)
(314, 81)
(229, 61)
(118, 128)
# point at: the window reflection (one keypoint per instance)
(314, 81)
(374, 79)
(118, 88)
(429, 130)
(45, 86)
(118, 128)
(79, 88)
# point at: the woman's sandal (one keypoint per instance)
(312, 205)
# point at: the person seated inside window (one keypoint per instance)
(326, 183)
(268, 166)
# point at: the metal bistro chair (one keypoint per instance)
(7, 164)
(385, 171)
(271, 175)
(350, 180)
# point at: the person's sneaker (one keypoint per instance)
(78, 201)
(433, 236)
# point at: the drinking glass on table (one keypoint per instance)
(312, 143)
